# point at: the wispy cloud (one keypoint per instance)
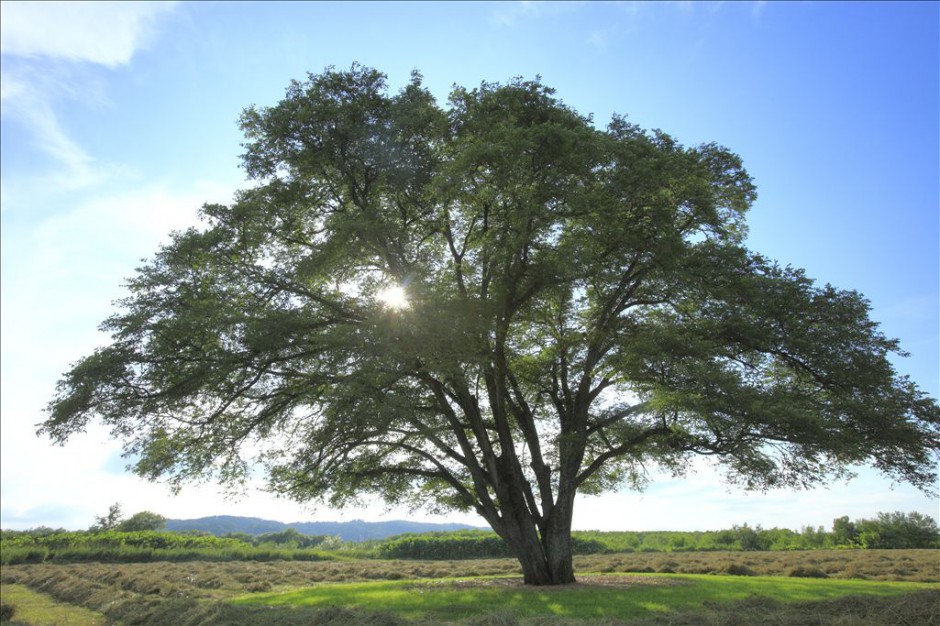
(47, 49)
(105, 33)
(509, 13)
(58, 276)
(30, 102)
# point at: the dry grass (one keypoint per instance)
(189, 592)
(921, 608)
(22, 605)
(886, 565)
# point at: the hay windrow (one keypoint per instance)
(176, 593)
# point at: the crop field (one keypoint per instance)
(847, 587)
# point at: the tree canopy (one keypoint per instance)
(114, 520)
(488, 306)
(143, 520)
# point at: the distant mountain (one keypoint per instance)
(356, 530)
(224, 524)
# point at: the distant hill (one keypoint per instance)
(356, 530)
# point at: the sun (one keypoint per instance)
(394, 297)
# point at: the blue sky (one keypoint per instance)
(119, 121)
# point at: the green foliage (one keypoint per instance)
(750, 538)
(145, 520)
(844, 532)
(481, 544)
(898, 530)
(888, 530)
(114, 520)
(144, 546)
(444, 546)
(885, 531)
(581, 306)
(111, 521)
(291, 538)
(39, 531)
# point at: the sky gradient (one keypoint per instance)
(119, 122)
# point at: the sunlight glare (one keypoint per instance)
(394, 297)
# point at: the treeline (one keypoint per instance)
(886, 531)
(466, 544)
(41, 545)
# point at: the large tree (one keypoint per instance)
(490, 306)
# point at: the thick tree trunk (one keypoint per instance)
(545, 559)
(557, 541)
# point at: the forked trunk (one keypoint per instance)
(546, 559)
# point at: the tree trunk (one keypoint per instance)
(545, 559)
(558, 554)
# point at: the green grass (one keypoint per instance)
(478, 592)
(38, 609)
(456, 599)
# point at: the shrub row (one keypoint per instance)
(114, 540)
(469, 544)
(888, 530)
(882, 533)
(143, 546)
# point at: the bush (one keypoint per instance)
(444, 546)
(7, 611)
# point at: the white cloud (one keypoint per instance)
(508, 13)
(32, 108)
(105, 33)
(47, 49)
(65, 270)
(701, 501)
(11, 87)
(59, 278)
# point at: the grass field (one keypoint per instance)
(848, 587)
(597, 598)
(38, 608)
